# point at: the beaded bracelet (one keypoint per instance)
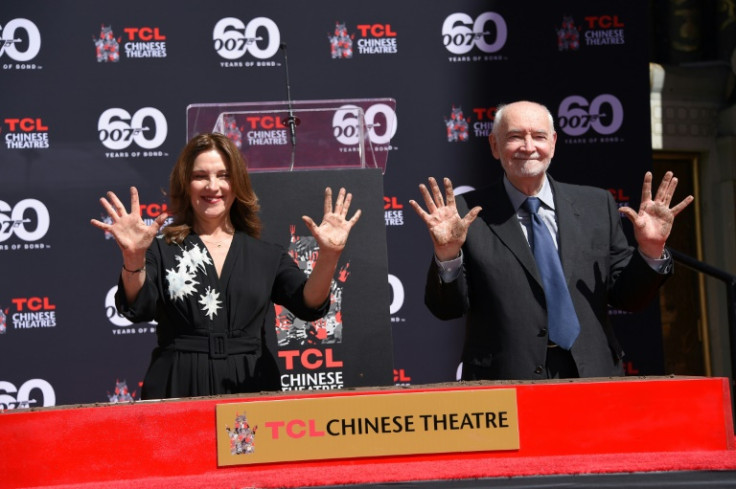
(138, 270)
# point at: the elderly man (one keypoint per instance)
(535, 274)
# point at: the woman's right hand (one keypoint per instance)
(131, 233)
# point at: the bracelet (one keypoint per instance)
(137, 270)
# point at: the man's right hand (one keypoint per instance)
(446, 228)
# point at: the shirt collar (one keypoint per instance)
(517, 197)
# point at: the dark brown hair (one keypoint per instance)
(244, 211)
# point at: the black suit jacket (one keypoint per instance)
(501, 293)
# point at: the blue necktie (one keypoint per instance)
(562, 321)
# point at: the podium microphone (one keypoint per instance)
(291, 120)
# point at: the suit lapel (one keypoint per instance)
(500, 217)
(569, 228)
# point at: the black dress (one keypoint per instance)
(210, 329)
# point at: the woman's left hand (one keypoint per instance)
(333, 231)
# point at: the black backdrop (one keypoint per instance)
(63, 147)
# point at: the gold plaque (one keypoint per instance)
(367, 425)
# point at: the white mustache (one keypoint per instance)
(533, 156)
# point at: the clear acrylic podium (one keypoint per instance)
(302, 135)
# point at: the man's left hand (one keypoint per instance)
(653, 222)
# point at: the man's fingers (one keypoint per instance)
(670, 191)
(664, 188)
(436, 193)
(629, 213)
(432, 195)
(449, 193)
(418, 209)
(427, 198)
(471, 215)
(665, 192)
(646, 188)
(681, 206)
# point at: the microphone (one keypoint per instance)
(291, 120)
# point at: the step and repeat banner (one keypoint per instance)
(95, 95)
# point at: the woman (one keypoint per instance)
(209, 281)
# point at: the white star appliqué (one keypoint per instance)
(181, 280)
(210, 302)
(181, 283)
(194, 258)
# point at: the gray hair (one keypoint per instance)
(500, 111)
